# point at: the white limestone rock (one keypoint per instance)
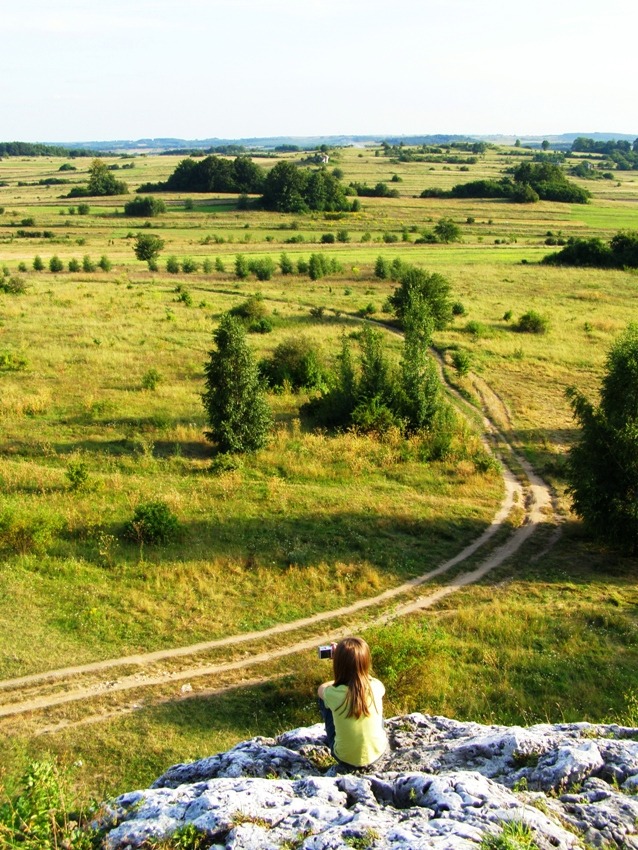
(443, 786)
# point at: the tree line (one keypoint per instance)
(529, 182)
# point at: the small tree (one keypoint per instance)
(447, 230)
(147, 246)
(603, 462)
(432, 289)
(235, 403)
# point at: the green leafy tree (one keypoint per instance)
(235, 403)
(420, 384)
(147, 246)
(446, 230)
(103, 182)
(603, 462)
(432, 289)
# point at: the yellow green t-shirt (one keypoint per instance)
(358, 740)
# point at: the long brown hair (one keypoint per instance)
(351, 662)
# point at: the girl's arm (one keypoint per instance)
(322, 688)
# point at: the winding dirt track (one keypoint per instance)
(36, 695)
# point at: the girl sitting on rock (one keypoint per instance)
(352, 706)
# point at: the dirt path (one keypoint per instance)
(43, 691)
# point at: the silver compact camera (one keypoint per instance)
(325, 651)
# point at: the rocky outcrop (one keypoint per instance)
(443, 785)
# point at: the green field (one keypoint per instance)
(315, 519)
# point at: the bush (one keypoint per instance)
(172, 265)
(87, 264)
(77, 474)
(104, 263)
(263, 269)
(458, 309)
(44, 813)
(11, 362)
(461, 361)
(250, 311)
(381, 268)
(189, 266)
(83, 209)
(74, 265)
(242, 267)
(23, 532)
(532, 323)
(219, 265)
(151, 379)
(286, 264)
(55, 264)
(152, 522)
(14, 285)
(207, 266)
(295, 362)
(38, 263)
(327, 238)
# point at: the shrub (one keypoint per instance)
(381, 268)
(146, 207)
(327, 238)
(83, 209)
(286, 265)
(104, 263)
(261, 326)
(74, 265)
(458, 309)
(172, 265)
(22, 531)
(207, 266)
(14, 285)
(242, 267)
(38, 263)
(87, 264)
(263, 269)
(184, 296)
(250, 310)
(189, 266)
(10, 362)
(44, 813)
(151, 379)
(532, 323)
(476, 329)
(461, 361)
(152, 522)
(295, 362)
(55, 264)
(77, 474)
(219, 265)
(343, 236)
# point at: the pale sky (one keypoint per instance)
(83, 70)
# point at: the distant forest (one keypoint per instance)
(38, 149)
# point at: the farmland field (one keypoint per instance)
(102, 371)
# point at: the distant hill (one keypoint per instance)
(269, 143)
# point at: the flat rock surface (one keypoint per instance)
(443, 785)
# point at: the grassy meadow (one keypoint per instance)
(314, 520)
